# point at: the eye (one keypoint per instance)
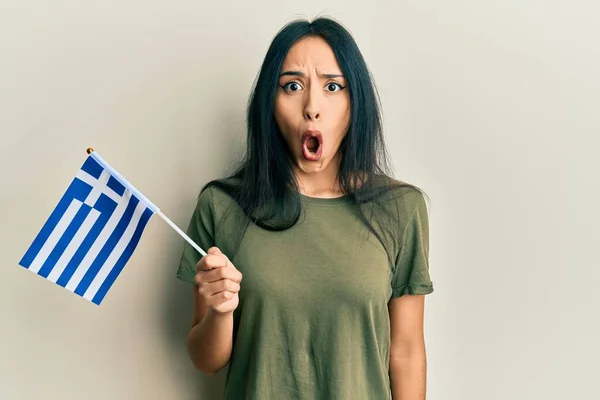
(292, 86)
(334, 87)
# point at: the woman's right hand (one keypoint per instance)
(218, 281)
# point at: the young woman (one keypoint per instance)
(333, 251)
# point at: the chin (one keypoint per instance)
(311, 167)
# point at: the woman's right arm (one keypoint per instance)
(210, 339)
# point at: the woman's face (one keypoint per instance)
(312, 105)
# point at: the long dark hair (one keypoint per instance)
(264, 184)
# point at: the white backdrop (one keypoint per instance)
(491, 107)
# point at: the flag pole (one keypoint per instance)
(186, 237)
(155, 209)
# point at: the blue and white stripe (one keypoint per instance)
(92, 232)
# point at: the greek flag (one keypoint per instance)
(92, 232)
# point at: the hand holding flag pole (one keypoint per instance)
(93, 231)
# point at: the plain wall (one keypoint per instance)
(491, 107)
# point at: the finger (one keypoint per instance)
(238, 275)
(224, 285)
(229, 263)
(212, 261)
(220, 297)
(200, 265)
(209, 289)
(217, 251)
(222, 273)
(214, 250)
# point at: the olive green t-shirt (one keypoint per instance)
(313, 321)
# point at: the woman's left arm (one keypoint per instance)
(408, 361)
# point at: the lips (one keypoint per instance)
(312, 145)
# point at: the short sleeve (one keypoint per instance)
(201, 231)
(411, 269)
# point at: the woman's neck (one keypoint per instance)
(322, 184)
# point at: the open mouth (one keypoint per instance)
(312, 145)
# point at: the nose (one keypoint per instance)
(312, 108)
(311, 115)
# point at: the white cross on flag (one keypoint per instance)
(92, 232)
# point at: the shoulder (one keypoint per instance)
(221, 195)
(399, 196)
(215, 197)
(218, 208)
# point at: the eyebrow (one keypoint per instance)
(300, 73)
